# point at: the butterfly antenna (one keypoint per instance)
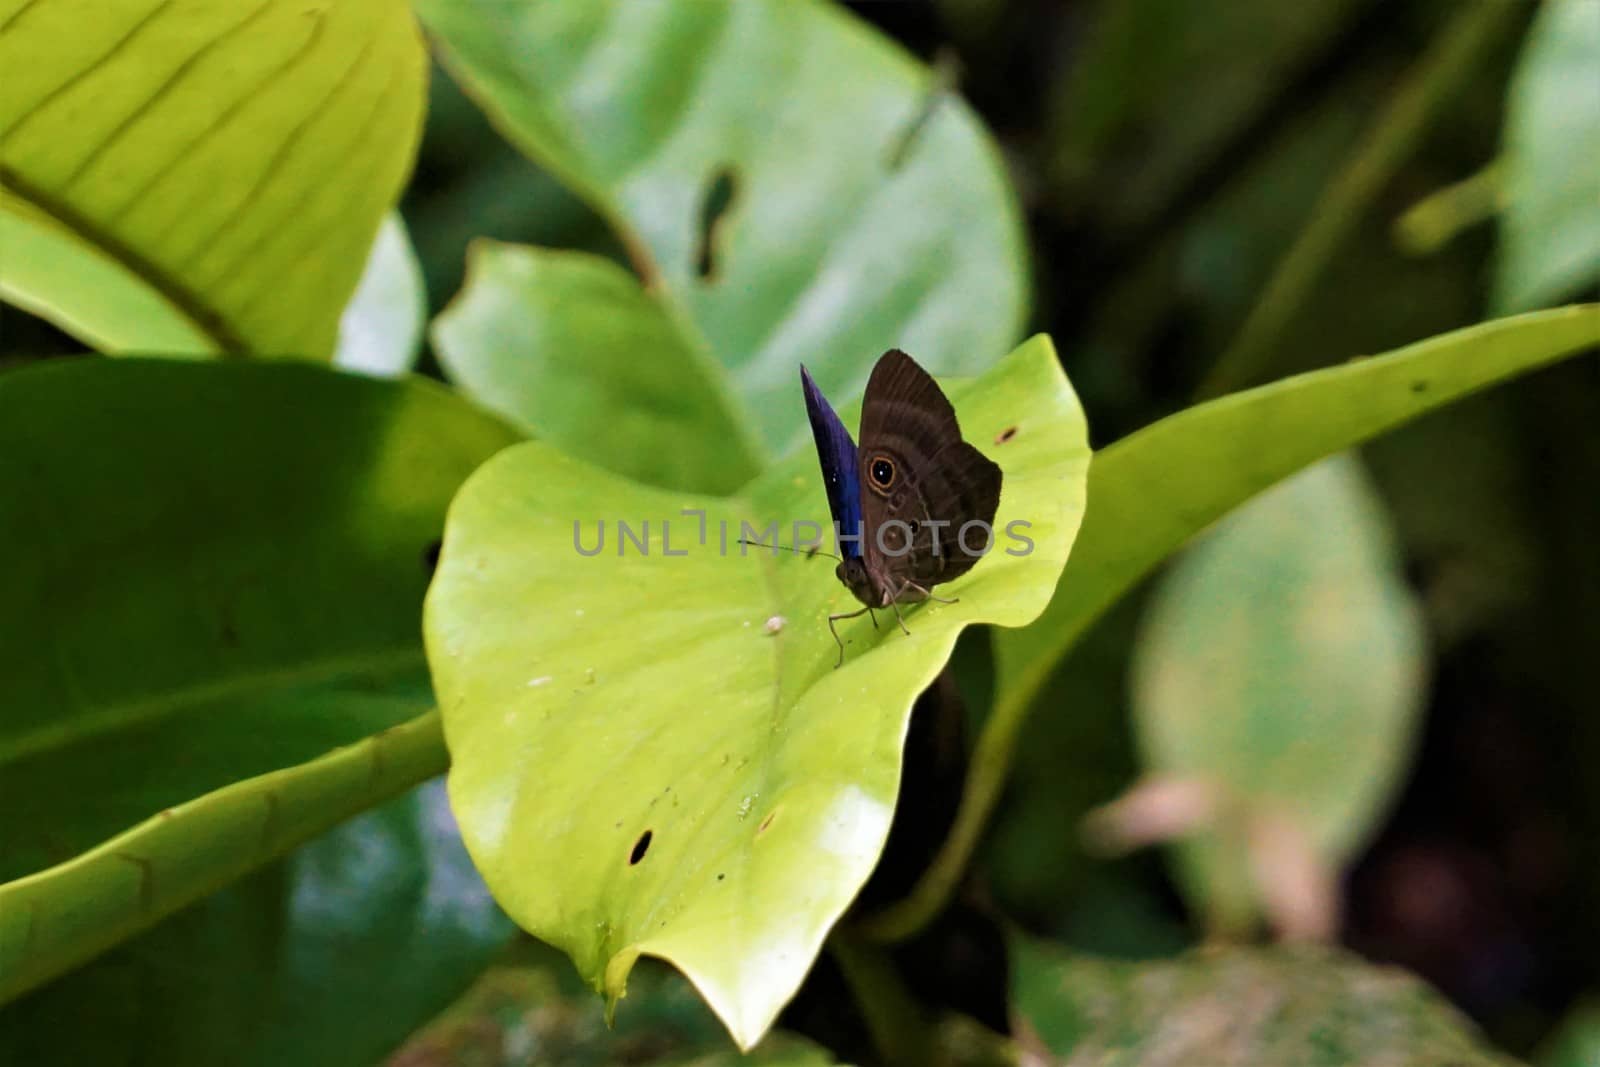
(814, 550)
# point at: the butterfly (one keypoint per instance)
(904, 502)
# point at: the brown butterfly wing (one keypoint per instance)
(933, 475)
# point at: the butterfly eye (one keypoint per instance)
(882, 472)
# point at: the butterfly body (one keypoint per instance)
(907, 501)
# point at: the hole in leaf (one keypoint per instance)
(640, 847)
(430, 555)
(1005, 435)
(718, 201)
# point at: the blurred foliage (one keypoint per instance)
(530, 1008)
(1282, 634)
(380, 332)
(1577, 1042)
(1312, 1007)
(1551, 238)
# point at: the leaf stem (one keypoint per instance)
(900, 1032)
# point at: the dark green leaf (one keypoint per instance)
(213, 572)
(329, 959)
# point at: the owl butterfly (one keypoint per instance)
(902, 502)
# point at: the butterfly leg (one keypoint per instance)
(839, 640)
(895, 604)
(927, 594)
(873, 615)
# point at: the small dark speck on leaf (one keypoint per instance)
(1005, 435)
(766, 822)
(430, 555)
(640, 847)
(720, 877)
(1419, 387)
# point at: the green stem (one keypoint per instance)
(1436, 78)
(986, 776)
(900, 1032)
(1433, 222)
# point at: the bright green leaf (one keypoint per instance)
(861, 214)
(1307, 1006)
(640, 764)
(1282, 635)
(329, 959)
(1152, 491)
(219, 168)
(1550, 234)
(570, 346)
(212, 572)
(380, 332)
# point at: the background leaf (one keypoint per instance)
(860, 213)
(1550, 232)
(329, 958)
(1155, 489)
(567, 344)
(380, 332)
(1283, 658)
(1113, 125)
(218, 169)
(529, 1008)
(204, 590)
(1307, 1006)
(639, 764)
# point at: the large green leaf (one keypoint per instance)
(217, 169)
(860, 213)
(212, 572)
(1285, 635)
(640, 763)
(1550, 232)
(1152, 491)
(328, 959)
(568, 344)
(1306, 1006)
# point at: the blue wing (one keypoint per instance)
(836, 451)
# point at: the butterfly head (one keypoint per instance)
(852, 571)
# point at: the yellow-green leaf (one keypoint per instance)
(217, 168)
(655, 753)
